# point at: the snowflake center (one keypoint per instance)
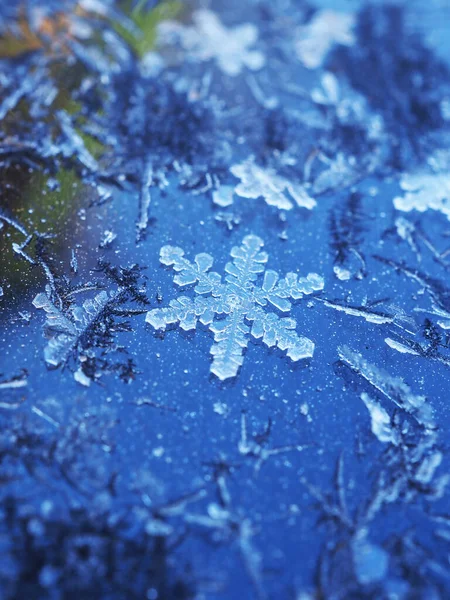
(238, 303)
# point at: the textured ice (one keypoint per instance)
(84, 115)
(225, 306)
(257, 181)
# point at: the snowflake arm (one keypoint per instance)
(278, 291)
(248, 263)
(231, 338)
(280, 332)
(190, 273)
(185, 312)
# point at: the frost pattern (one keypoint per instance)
(393, 388)
(208, 39)
(326, 29)
(257, 181)
(380, 421)
(66, 329)
(224, 306)
(425, 191)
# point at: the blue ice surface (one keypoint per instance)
(174, 371)
(314, 403)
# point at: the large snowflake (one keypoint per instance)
(225, 306)
(208, 39)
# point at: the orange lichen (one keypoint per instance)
(50, 33)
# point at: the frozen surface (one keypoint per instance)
(185, 412)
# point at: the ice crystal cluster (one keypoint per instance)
(424, 191)
(225, 306)
(257, 181)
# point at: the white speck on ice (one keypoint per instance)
(158, 452)
(342, 274)
(221, 408)
(81, 378)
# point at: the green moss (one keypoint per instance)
(147, 21)
(93, 146)
(28, 199)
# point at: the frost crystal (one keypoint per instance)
(393, 388)
(257, 181)
(15, 382)
(340, 172)
(425, 191)
(325, 30)
(230, 303)
(381, 421)
(66, 328)
(208, 39)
